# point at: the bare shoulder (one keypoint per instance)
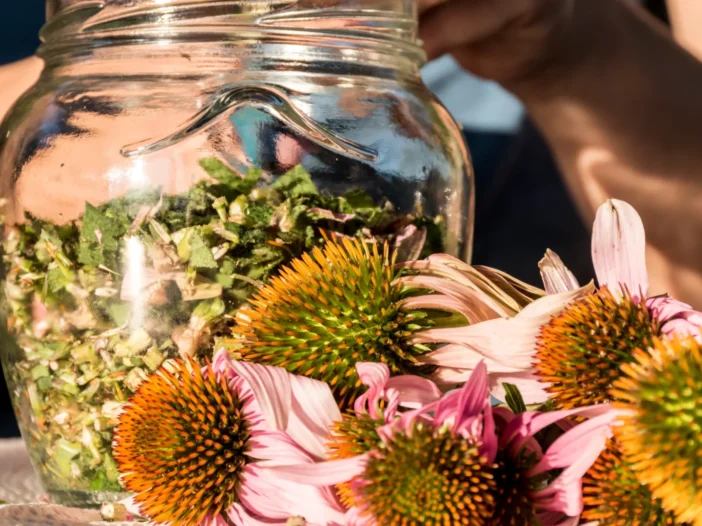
(15, 79)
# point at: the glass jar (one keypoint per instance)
(173, 155)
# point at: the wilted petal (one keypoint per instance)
(555, 275)
(619, 248)
(410, 243)
(475, 304)
(474, 311)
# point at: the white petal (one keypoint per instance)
(555, 275)
(619, 248)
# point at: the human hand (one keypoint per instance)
(510, 41)
(15, 79)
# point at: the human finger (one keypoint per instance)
(454, 23)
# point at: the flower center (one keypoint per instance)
(181, 445)
(513, 505)
(581, 351)
(428, 478)
(353, 435)
(330, 309)
(613, 495)
(661, 434)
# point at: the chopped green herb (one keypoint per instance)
(86, 328)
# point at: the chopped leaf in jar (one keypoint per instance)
(96, 305)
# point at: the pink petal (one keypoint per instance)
(676, 318)
(238, 514)
(271, 496)
(527, 424)
(490, 442)
(473, 397)
(327, 473)
(619, 248)
(682, 328)
(465, 358)
(356, 517)
(532, 389)
(576, 450)
(271, 388)
(405, 422)
(373, 375)
(664, 308)
(275, 448)
(414, 391)
(551, 518)
(555, 275)
(314, 410)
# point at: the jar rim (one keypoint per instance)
(385, 20)
(386, 33)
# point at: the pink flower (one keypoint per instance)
(509, 344)
(457, 456)
(268, 418)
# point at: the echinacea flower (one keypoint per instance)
(661, 431)
(357, 432)
(571, 344)
(612, 494)
(194, 445)
(453, 461)
(348, 302)
(330, 309)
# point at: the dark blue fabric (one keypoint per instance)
(19, 37)
(523, 208)
(20, 22)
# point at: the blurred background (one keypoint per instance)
(522, 206)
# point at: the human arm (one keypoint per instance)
(15, 79)
(617, 100)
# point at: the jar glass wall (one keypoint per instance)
(172, 158)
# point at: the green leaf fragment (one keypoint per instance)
(120, 312)
(58, 278)
(111, 470)
(514, 399)
(138, 342)
(222, 173)
(99, 237)
(295, 183)
(200, 254)
(64, 454)
(39, 371)
(237, 210)
(153, 358)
